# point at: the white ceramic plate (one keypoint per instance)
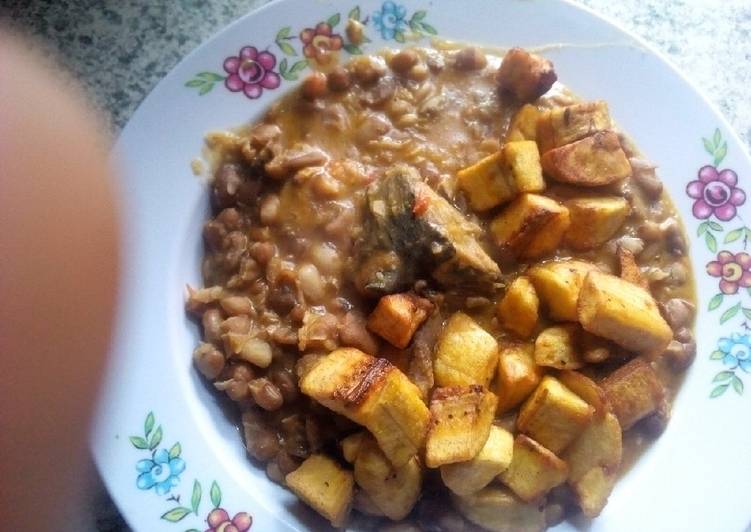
(167, 452)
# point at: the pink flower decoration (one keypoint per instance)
(735, 271)
(219, 521)
(251, 71)
(319, 42)
(715, 193)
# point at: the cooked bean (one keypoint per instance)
(236, 324)
(434, 61)
(372, 126)
(211, 321)
(237, 390)
(366, 70)
(311, 283)
(678, 312)
(285, 381)
(269, 212)
(645, 176)
(677, 274)
(257, 352)
(226, 184)
(314, 86)
(266, 394)
(684, 334)
(306, 362)
(632, 244)
(313, 434)
(432, 106)
(291, 160)
(213, 234)
(209, 360)
(675, 241)
(326, 258)
(262, 251)
(354, 332)
(380, 93)
(282, 299)
(335, 117)
(319, 331)
(274, 472)
(285, 336)
(650, 230)
(403, 61)
(234, 246)
(338, 79)
(261, 442)
(239, 371)
(470, 58)
(231, 219)
(680, 355)
(262, 134)
(295, 442)
(236, 305)
(419, 72)
(554, 513)
(286, 463)
(325, 186)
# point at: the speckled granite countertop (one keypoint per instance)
(120, 50)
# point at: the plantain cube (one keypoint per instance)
(517, 375)
(594, 221)
(530, 227)
(464, 478)
(554, 415)
(518, 310)
(393, 490)
(464, 354)
(534, 470)
(587, 389)
(600, 445)
(397, 317)
(486, 183)
(500, 177)
(555, 347)
(564, 125)
(461, 417)
(634, 391)
(373, 393)
(593, 489)
(324, 486)
(351, 446)
(523, 125)
(523, 161)
(590, 162)
(499, 510)
(558, 283)
(620, 311)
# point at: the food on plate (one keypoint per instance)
(428, 292)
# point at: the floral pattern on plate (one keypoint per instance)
(717, 195)
(251, 71)
(162, 473)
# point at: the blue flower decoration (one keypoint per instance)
(390, 20)
(162, 473)
(737, 351)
